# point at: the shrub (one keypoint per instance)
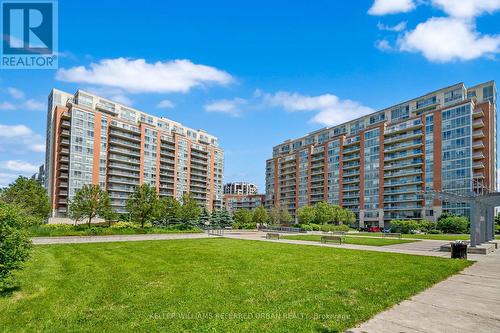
(306, 227)
(57, 226)
(403, 226)
(14, 242)
(329, 227)
(314, 226)
(453, 224)
(435, 231)
(123, 225)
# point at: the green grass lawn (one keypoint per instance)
(43, 231)
(421, 236)
(355, 240)
(211, 285)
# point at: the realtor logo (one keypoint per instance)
(29, 34)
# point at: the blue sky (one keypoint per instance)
(253, 74)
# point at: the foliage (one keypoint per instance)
(204, 218)
(189, 211)
(143, 204)
(123, 225)
(242, 216)
(453, 224)
(404, 226)
(90, 202)
(306, 227)
(14, 242)
(306, 215)
(330, 227)
(325, 213)
(221, 218)
(435, 232)
(29, 195)
(280, 215)
(168, 213)
(260, 216)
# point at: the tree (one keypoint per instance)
(169, 212)
(242, 216)
(324, 213)
(204, 218)
(29, 195)
(260, 216)
(221, 218)
(349, 216)
(189, 211)
(143, 204)
(306, 214)
(89, 202)
(280, 215)
(14, 242)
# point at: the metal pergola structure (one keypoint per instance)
(482, 204)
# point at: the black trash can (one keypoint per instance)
(459, 250)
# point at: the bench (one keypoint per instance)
(392, 234)
(272, 235)
(338, 239)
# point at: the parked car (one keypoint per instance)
(374, 229)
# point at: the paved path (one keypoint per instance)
(113, 238)
(466, 302)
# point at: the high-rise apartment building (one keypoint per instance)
(240, 188)
(93, 140)
(242, 195)
(379, 165)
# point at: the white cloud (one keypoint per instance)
(446, 39)
(33, 105)
(15, 93)
(19, 166)
(20, 139)
(383, 45)
(7, 178)
(467, 8)
(165, 104)
(397, 28)
(232, 107)
(330, 109)
(383, 7)
(7, 106)
(139, 76)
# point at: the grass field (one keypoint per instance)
(355, 240)
(447, 237)
(211, 285)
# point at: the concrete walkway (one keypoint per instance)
(466, 302)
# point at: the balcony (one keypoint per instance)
(478, 145)
(478, 134)
(477, 155)
(402, 207)
(401, 190)
(477, 165)
(64, 133)
(403, 127)
(351, 157)
(124, 143)
(402, 137)
(351, 149)
(64, 142)
(403, 155)
(123, 159)
(124, 135)
(402, 173)
(128, 152)
(402, 146)
(123, 166)
(350, 188)
(350, 180)
(65, 124)
(478, 123)
(478, 113)
(403, 182)
(403, 198)
(350, 165)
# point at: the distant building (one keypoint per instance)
(240, 188)
(40, 175)
(243, 201)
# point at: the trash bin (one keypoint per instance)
(459, 250)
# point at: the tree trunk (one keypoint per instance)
(90, 220)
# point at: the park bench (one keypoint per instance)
(272, 235)
(392, 234)
(338, 239)
(215, 232)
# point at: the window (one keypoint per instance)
(401, 112)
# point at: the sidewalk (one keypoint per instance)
(466, 302)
